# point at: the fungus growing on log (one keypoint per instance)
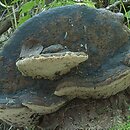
(89, 47)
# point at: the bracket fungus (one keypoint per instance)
(95, 40)
(49, 66)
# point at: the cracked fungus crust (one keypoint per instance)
(49, 66)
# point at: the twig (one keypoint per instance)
(14, 14)
(10, 127)
(3, 14)
(9, 13)
(5, 26)
(3, 5)
(121, 5)
(5, 23)
(125, 12)
(117, 4)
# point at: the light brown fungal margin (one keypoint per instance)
(50, 65)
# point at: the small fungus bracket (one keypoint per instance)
(50, 65)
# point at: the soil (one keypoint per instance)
(101, 114)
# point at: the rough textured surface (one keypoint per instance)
(90, 114)
(50, 66)
(97, 32)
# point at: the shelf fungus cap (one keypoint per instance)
(50, 65)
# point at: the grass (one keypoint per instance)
(122, 126)
(125, 126)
